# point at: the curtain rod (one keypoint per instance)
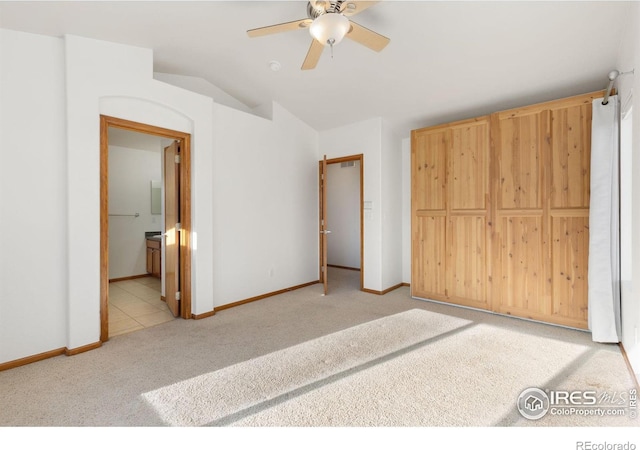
(612, 78)
(613, 75)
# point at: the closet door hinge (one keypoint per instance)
(178, 295)
(177, 159)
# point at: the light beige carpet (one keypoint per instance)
(301, 358)
(415, 368)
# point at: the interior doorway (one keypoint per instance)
(176, 242)
(341, 212)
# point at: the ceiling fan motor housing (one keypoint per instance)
(318, 8)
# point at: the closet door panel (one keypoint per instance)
(429, 254)
(469, 180)
(571, 157)
(429, 168)
(522, 274)
(570, 249)
(467, 274)
(520, 163)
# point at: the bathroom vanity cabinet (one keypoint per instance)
(153, 257)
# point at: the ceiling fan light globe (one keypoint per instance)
(329, 28)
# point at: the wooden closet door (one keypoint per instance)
(569, 212)
(521, 247)
(429, 214)
(450, 213)
(541, 190)
(468, 262)
(500, 211)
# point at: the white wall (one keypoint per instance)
(391, 165)
(202, 86)
(343, 215)
(629, 59)
(33, 203)
(363, 138)
(382, 195)
(266, 204)
(130, 173)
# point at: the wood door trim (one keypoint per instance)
(320, 215)
(185, 211)
(451, 125)
(629, 366)
(386, 291)
(256, 298)
(324, 224)
(360, 158)
(550, 105)
(49, 354)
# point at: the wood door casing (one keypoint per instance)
(107, 122)
(322, 179)
(322, 168)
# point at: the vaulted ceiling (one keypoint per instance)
(447, 60)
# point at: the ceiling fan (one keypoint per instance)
(328, 22)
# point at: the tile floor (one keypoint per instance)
(135, 304)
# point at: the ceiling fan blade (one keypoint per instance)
(351, 8)
(279, 28)
(366, 37)
(313, 55)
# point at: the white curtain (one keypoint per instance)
(604, 223)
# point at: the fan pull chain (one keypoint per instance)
(331, 41)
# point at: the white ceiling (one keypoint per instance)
(446, 61)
